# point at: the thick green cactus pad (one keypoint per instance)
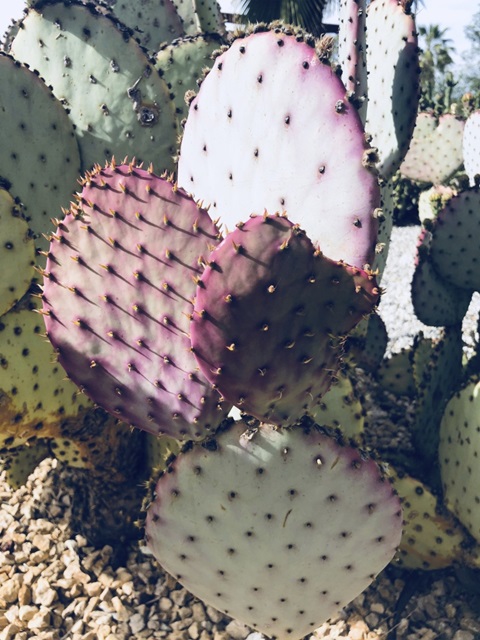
(366, 348)
(188, 15)
(341, 408)
(393, 80)
(182, 62)
(209, 16)
(117, 101)
(19, 462)
(435, 152)
(471, 146)
(384, 217)
(440, 374)
(152, 21)
(39, 157)
(432, 538)
(395, 374)
(352, 47)
(17, 253)
(271, 129)
(459, 453)
(277, 528)
(455, 240)
(435, 301)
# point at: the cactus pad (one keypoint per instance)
(18, 463)
(271, 129)
(435, 152)
(117, 101)
(267, 316)
(182, 62)
(471, 145)
(17, 253)
(458, 453)
(393, 74)
(40, 157)
(152, 21)
(432, 538)
(119, 281)
(277, 528)
(435, 301)
(454, 247)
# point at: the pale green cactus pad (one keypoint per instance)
(459, 452)
(471, 146)
(17, 253)
(152, 21)
(435, 151)
(182, 62)
(277, 528)
(40, 157)
(433, 200)
(117, 101)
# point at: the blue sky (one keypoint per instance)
(454, 14)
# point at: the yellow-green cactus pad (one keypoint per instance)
(432, 538)
(19, 463)
(341, 407)
(17, 253)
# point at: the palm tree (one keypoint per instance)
(435, 59)
(303, 13)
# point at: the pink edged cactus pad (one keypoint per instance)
(270, 316)
(271, 129)
(120, 277)
(278, 528)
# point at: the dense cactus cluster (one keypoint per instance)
(233, 259)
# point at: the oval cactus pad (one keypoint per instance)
(277, 528)
(271, 129)
(268, 315)
(119, 281)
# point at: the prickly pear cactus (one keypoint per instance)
(432, 201)
(269, 315)
(458, 454)
(181, 64)
(121, 274)
(435, 152)
(244, 122)
(277, 528)
(454, 244)
(19, 462)
(152, 21)
(471, 146)
(117, 101)
(432, 538)
(40, 157)
(17, 253)
(392, 81)
(436, 301)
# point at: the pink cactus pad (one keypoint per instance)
(120, 277)
(271, 129)
(270, 315)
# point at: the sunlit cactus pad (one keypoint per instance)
(271, 129)
(277, 528)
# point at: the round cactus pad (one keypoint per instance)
(117, 101)
(271, 129)
(119, 281)
(268, 316)
(277, 528)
